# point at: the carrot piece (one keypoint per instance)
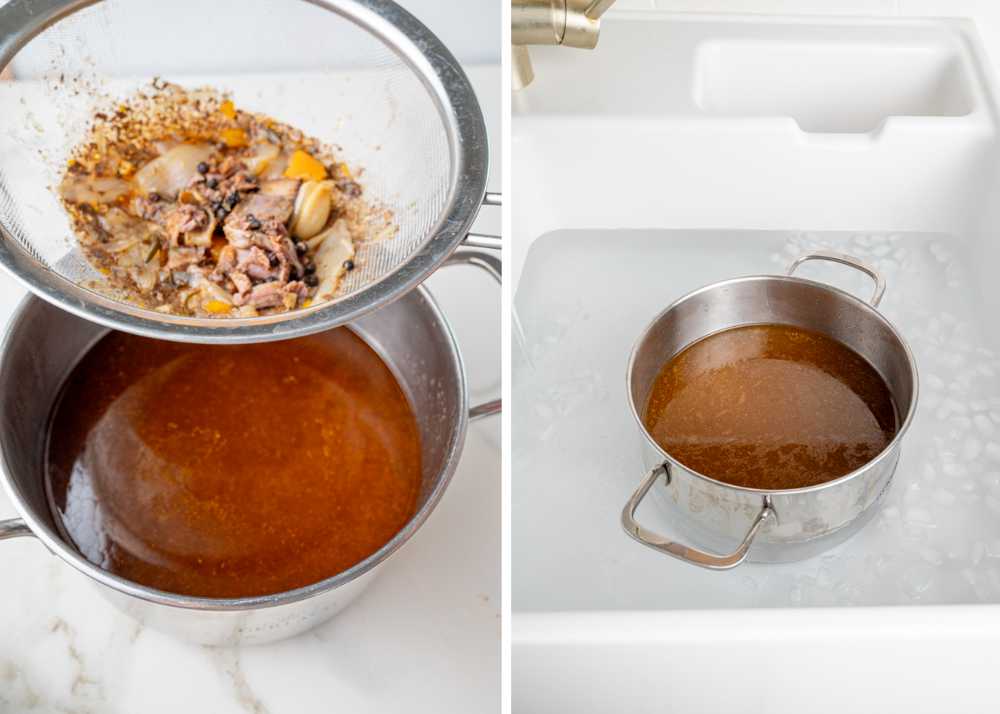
(216, 248)
(234, 138)
(217, 307)
(303, 165)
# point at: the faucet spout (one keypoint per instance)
(598, 8)
(573, 23)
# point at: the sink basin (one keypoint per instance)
(690, 149)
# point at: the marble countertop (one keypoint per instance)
(425, 637)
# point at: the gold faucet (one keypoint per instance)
(573, 23)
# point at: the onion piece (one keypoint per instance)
(206, 291)
(275, 168)
(262, 157)
(312, 208)
(125, 231)
(335, 248)
(337, 229)
(92, 189)
(145, 275)
(169, 173)
(132, 241)
(202, 238)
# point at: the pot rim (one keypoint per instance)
(889, 449)
(57, 546)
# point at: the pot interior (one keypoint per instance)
(44, 344)
(775, 300)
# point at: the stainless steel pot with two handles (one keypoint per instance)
(42, 345)
(727, 524)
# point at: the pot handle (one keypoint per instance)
(677, 550)
(850, 261)
(14, 528)
(490, 262)
(484, 240)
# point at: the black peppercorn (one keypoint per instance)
(348, 265)
(212, 182)
(232, 199)
(311, 280)
(202, 167)
(253, 223)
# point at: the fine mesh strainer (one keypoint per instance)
(362, 75)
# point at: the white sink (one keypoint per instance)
(690, 149)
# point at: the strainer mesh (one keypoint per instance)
(300, 64)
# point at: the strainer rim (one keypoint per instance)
(455, 100)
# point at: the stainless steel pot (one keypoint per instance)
(728, 524)
(43, 343)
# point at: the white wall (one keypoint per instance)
(986, 13)
(160, 37)
(470, 28)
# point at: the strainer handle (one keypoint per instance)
(677, 550)
(850, 261)
(14, 528)
(490, 262)
(485, 240)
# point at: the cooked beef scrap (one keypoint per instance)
(183, 218)
(182, 258)
(227, 260)
(266, 295)
(241, 282)
(256, 263)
